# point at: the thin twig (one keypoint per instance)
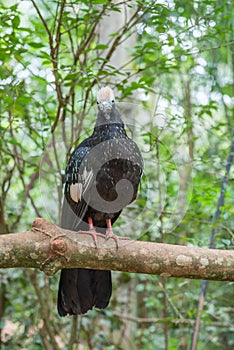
(73, 334)
(44, 22)
(58, 33)
(45, 342)
(44, 311)
(167, 320)
(54, 55)
(214, 232)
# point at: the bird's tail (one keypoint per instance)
(82, 289)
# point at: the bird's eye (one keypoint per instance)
(97, 103)
(113, 101)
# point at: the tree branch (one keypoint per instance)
(50, 248)
(166, 320)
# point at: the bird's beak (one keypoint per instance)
(106, 107)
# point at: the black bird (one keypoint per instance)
(102, 177)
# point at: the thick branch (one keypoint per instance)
(50, 248)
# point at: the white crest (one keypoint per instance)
(105, 94)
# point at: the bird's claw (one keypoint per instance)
(110, 234)
(94, 234)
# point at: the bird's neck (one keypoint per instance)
(110, 129)
(114, 118)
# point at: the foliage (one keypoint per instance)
(175, 91)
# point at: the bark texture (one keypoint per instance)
(49, 248)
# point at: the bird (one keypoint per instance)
(102, 177)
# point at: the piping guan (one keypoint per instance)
(101, 178)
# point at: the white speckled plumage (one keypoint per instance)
(110, 163)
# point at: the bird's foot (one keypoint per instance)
(110, 234)
(93, 233)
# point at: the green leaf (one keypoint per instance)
(16, 22)
(36, 45)
(101, 47)
(150, 45)
(99, 2)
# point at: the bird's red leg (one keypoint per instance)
(110, 233)
(109, 227)
(90, 221)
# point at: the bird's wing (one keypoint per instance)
(78, 177)
(79, 174)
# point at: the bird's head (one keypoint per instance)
(106, 102)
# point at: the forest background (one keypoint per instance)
(171, 65)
